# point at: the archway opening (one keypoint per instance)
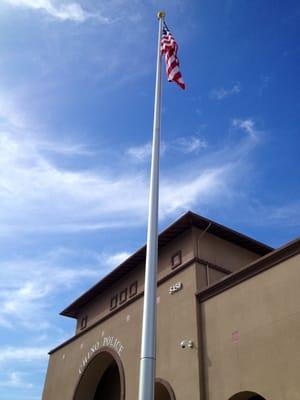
(163, 390)
(247, 396)
(102, 379)
(109, 386)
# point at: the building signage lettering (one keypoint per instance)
(114, 343)
(108, 341)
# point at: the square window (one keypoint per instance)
(83, 323)
(133, 289)
(123, 296)
(176, 259)
(114, 302)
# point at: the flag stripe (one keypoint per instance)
(169, 48)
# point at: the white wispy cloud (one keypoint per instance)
(222, 93)
(15, 380)
(113, 260)
(42, 191)
(185, 144)
(24, 354)
(190, 144)
(28, 287)
(67, 149)
(9, 116)
(287, 214)
(37, 195)
(265, 81)
(202, 188)
(247, 125)
(139, 153)
(66, 11)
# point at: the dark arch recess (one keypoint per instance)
(247, 396)
(104, 352)
(167, 386)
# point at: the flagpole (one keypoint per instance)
(148, 343)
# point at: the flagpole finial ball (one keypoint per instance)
(161, 14)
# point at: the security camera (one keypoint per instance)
(186, 344)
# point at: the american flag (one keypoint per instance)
(169, 48)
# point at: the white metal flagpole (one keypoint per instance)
(148, 345)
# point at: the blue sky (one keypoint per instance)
(76, 101)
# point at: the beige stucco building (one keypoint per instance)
(228, 322)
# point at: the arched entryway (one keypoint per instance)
(163, 390)
(109, 386)
(102, 379)
(247, 396)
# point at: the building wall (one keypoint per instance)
(221, 252)
(176, 321)
(251, 336)
(213, 253)
(99, 307)
(190, 243)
